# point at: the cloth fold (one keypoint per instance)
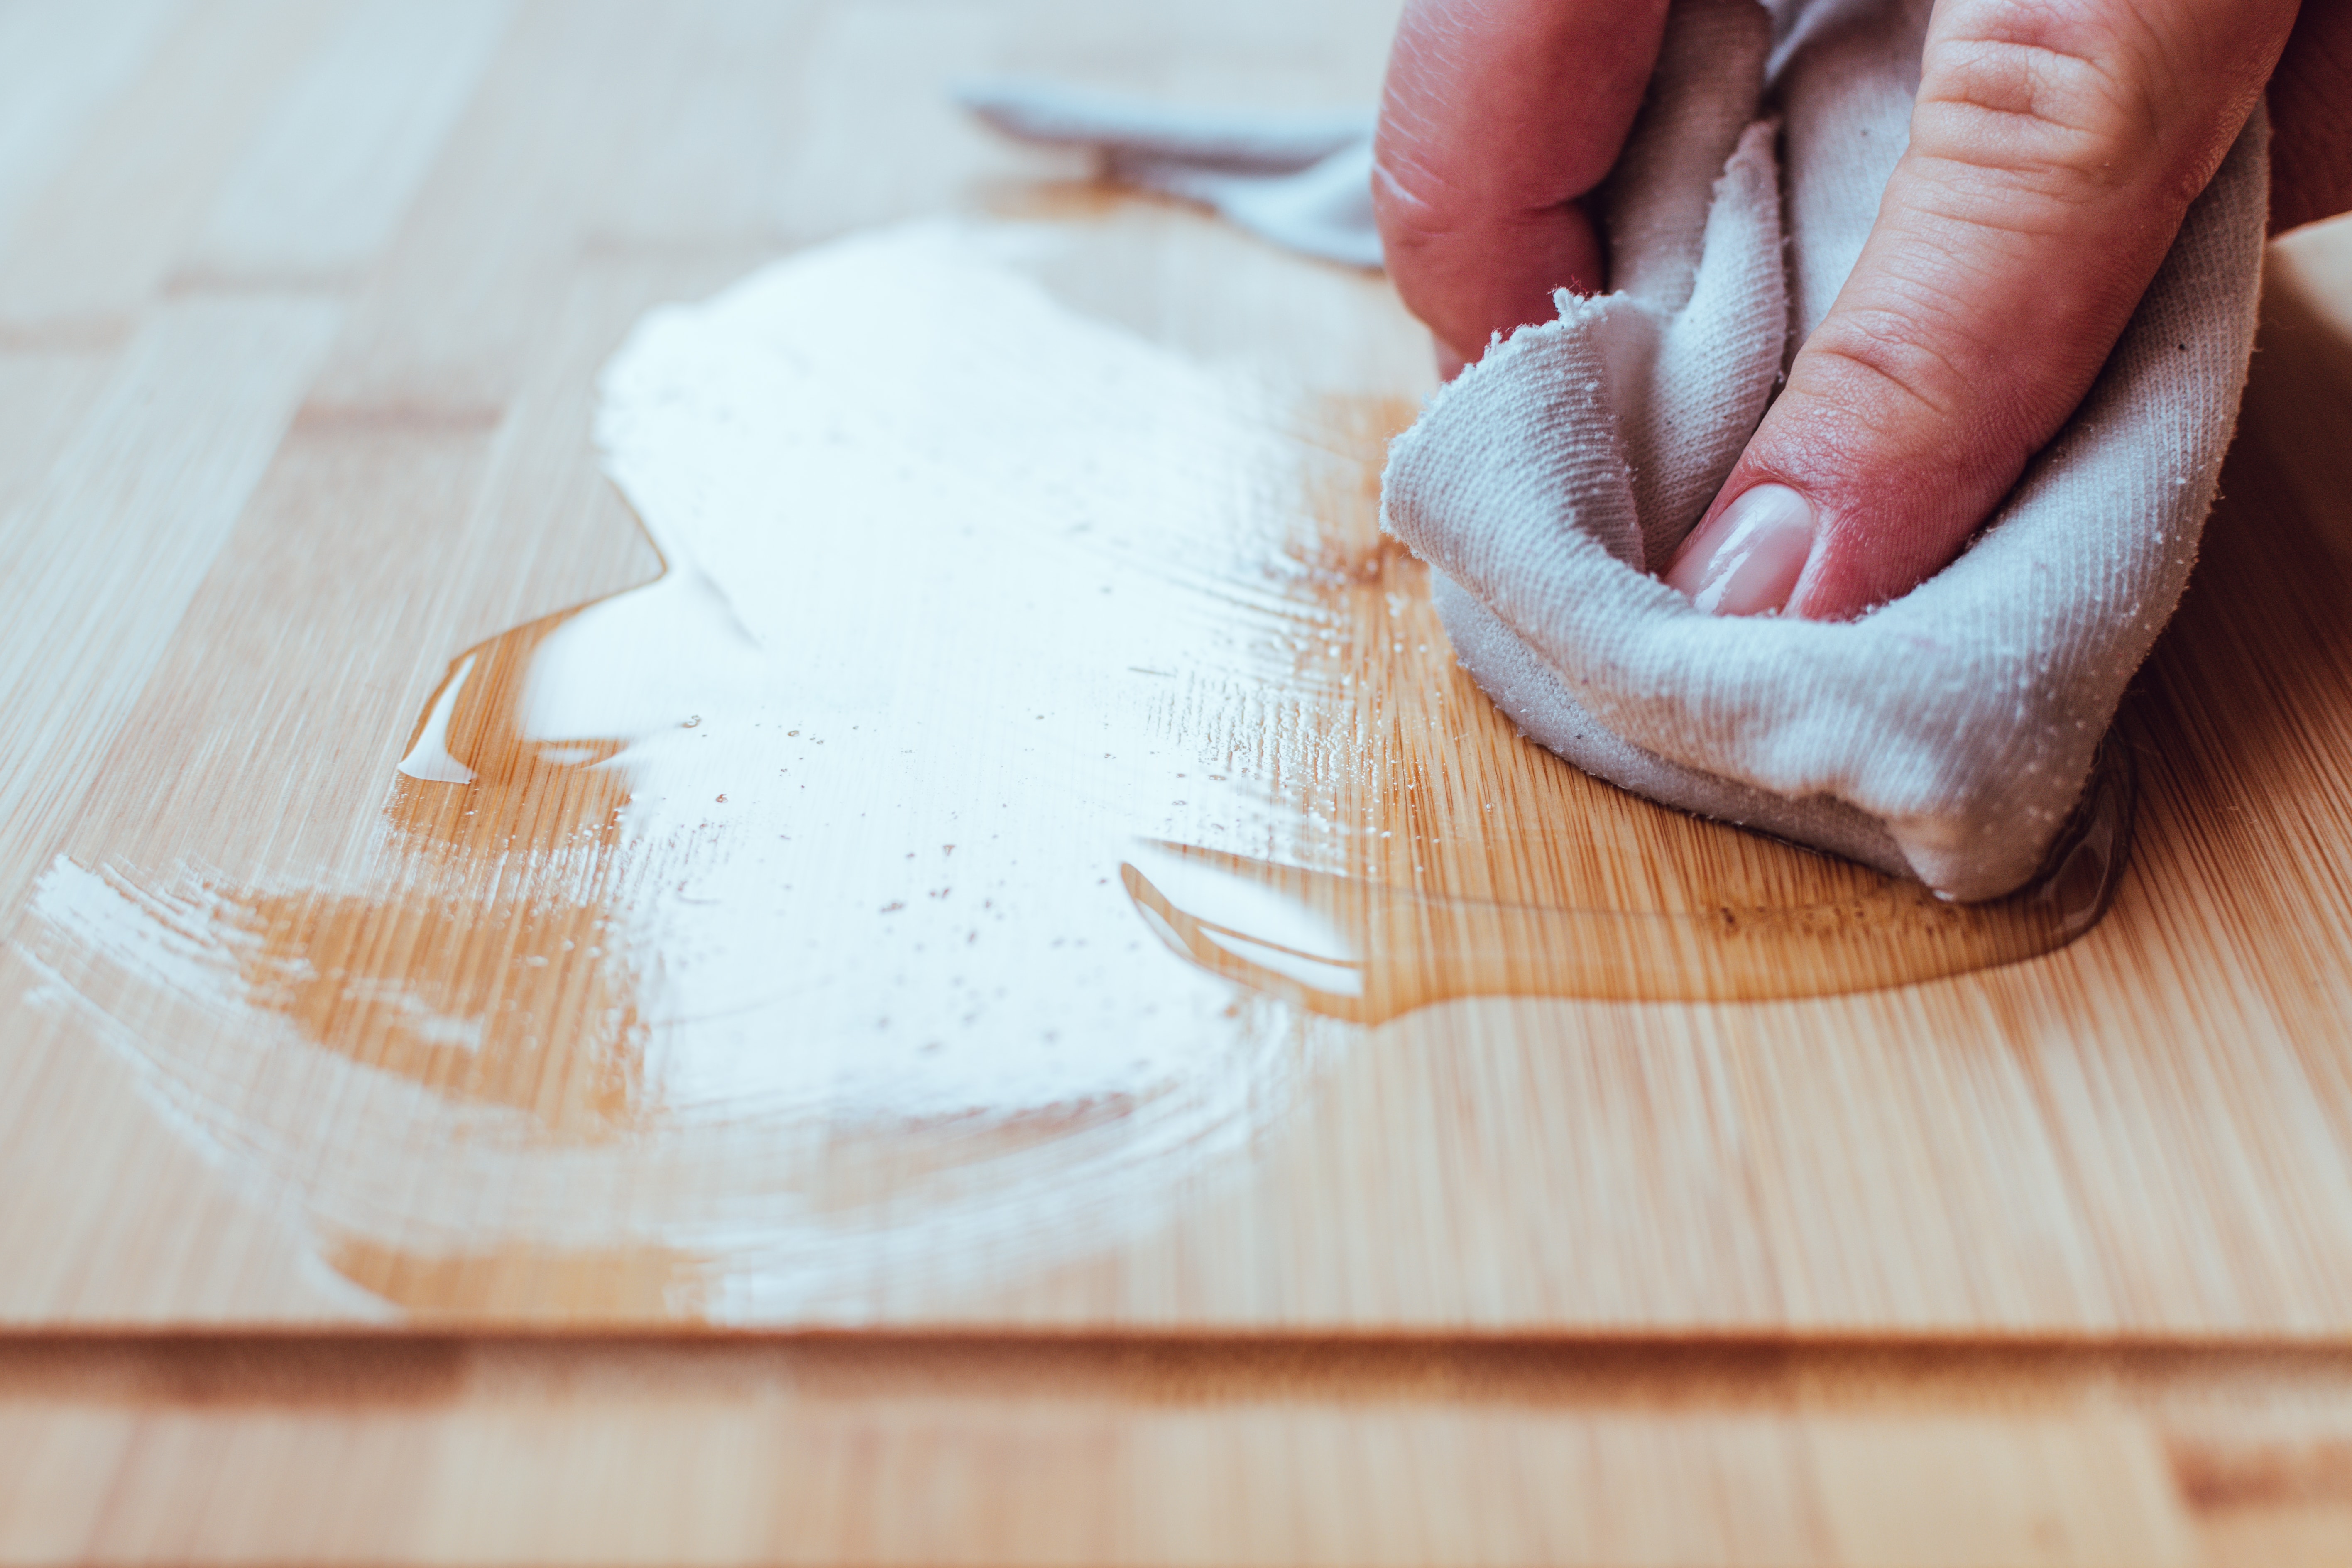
(1303, 181)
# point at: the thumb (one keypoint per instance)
(1498, 117)
(2054, 150)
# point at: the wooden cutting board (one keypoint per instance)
(1389, 1021)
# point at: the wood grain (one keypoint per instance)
(301, 313)
(292, 484)
(964, 1450)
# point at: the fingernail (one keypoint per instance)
(1748, 559)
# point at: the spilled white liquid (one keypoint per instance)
(949, 564)
(968, 595)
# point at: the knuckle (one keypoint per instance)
(1423, 226)
(1422, 203)
(1408, 214)
(1418, 246)
(2040, 104)
(1916, 369)
(1878, 365)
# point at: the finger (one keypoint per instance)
(1497, 115)
(2311, 118)
(2054, 150)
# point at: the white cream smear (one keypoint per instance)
(968, 597)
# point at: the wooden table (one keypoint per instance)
(374, 1186)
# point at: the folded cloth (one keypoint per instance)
(1303, 181)
(1945, 735)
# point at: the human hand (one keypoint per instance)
(2055, 147)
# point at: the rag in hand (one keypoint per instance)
(1945, 735)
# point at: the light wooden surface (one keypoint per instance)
(1153, 1451)
(299, 402)
(301, 312)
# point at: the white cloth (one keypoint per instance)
(1945, 735)
(1303, 181)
